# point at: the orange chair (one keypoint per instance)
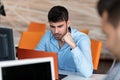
(29, 40)
(96, 47)
(86, 31)
(37, 27)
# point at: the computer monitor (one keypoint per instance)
(28, 69)
(6, 44)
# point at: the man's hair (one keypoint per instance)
(113, 9)
(58, 13)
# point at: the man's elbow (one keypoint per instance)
(88, 74)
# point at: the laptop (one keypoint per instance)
(28, 54)
(28, 69)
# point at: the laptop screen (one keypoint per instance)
(34, 69)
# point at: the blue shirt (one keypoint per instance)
(78, 59)
(114, 74)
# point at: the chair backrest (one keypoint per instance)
(96, 47)
(37, 27)
(86, 31)
(29, 40)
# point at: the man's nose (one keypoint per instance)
(56, 30)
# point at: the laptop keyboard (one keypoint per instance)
(61, 76)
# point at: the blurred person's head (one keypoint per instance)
(109, 10)
(58, 18)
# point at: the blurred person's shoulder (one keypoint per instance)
(114, 74)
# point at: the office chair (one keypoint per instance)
(96, 47)
(37, 27)
(29, 40)
(86, 31)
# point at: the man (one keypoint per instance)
(109, 10)
(72, 46)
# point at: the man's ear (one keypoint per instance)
(68, 23)
(118, 29)
(104, 16)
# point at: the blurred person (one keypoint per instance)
(109, 10)
(72, 46)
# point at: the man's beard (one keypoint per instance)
(59, 36)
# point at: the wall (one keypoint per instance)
(20, 13)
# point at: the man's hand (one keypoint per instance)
(69, 40)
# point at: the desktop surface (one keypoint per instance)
(76, 76)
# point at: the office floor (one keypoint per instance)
(104, 66)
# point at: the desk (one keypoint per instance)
(76, 76)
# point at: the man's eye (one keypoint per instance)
(52, 26)
(59, 26)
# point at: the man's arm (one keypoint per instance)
(69, 40)
(81, 54)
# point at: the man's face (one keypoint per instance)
(59, 29)
(113, 35)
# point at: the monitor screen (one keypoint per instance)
(28, 69)
(6, 44)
